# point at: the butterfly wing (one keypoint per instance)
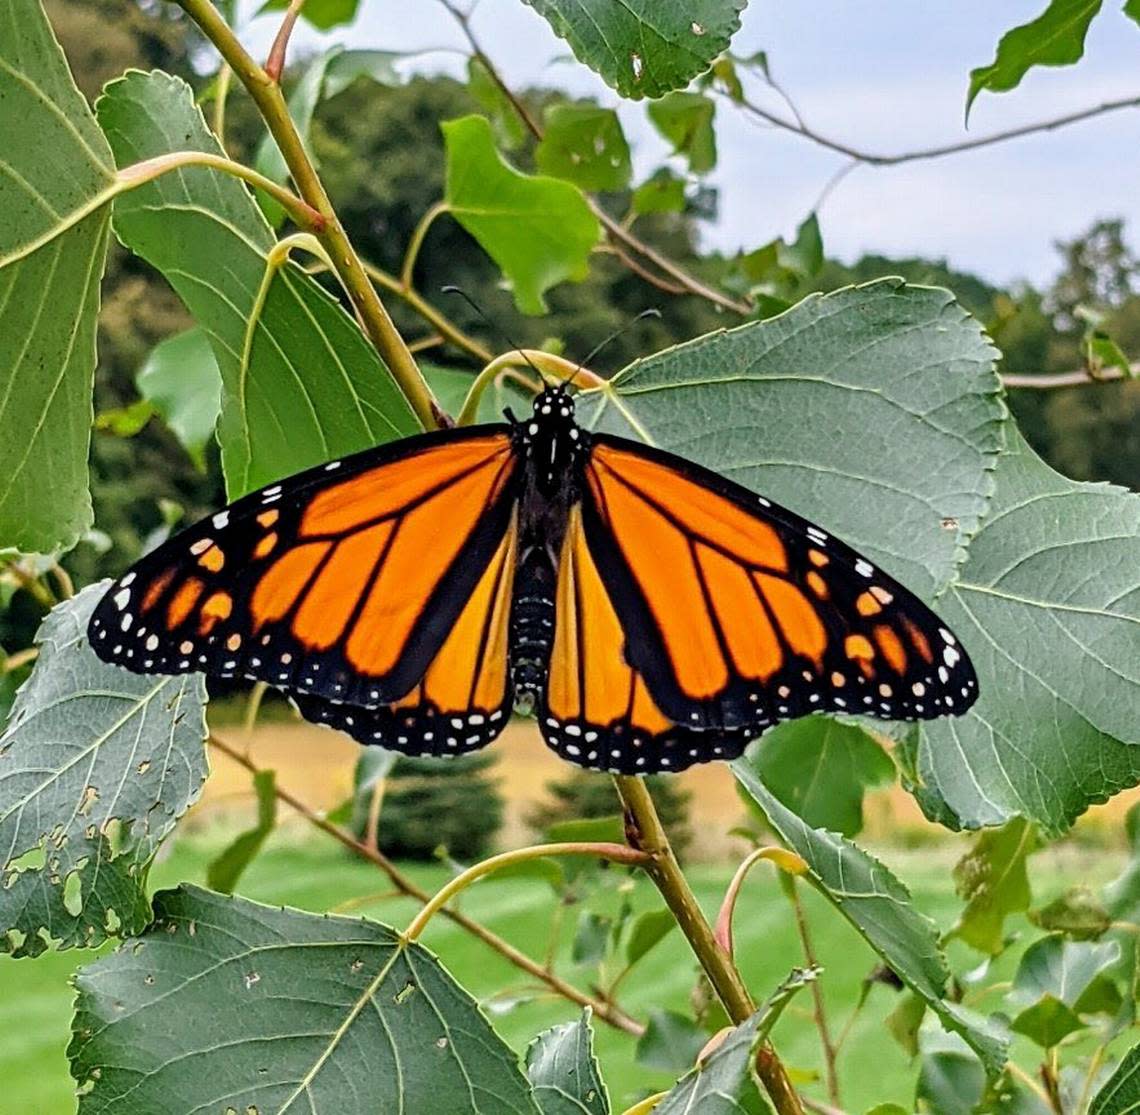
(343, 582)
(597, 710)
(712, 613)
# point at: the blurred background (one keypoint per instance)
(1033, 236)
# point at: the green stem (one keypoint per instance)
(645, 832)
(781, 857)
(616, 853)
(221, 96)
(269, 99)
(417, 240)
(555, 369)
(302, 213)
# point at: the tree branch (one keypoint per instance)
(269, 99)
(609, 1013)
(878, 158)
(645, 832)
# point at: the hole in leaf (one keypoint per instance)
(90, 797)
(404, 993)
(73, 894)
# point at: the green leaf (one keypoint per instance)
(1101, 352)
(539, 230)
(686, 121)
(879, 907)
(820, 769)
(903, 1022)
(564, 1072)
(96, 766)
(649, 928)
(774, 404)
(950, 1083)
(585, 145)
(1077, 913)
(227, 1004)
(991, 879)
(1056, 981)
(56, 179)
(313, 388)
(1132, 10)
(590, 938)
(373, 765)
(224, 871)
(180, 379)
(725, 1083)
(1054, 38)
(644, 48)
(510, 131)
(1120, 1094)
(804, 255)
(671, 1042)
(1048, 605)
(663, 193)
(322, 14)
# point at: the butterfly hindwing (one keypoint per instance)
(343, 582)
(464, 699)
(738, 613)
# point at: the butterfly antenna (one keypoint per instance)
(651, 312)
(493, 326)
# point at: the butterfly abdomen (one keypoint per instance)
(532, 625)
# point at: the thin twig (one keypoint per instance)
(423, 344)
(1064, 379)
(608, 1012)
(645, 832)
(880, 158)
(20, 658)
(829, 1053)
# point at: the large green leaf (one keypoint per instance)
(96, 765)
(564, 1072)
(224, 1004)
(1120, 1094)
(56, 173)
(1048, 606)
(539, 230)
(820, 769)
(725, 1083)
(644, 48)
(180, 379)
(873, 411)
(312, 388)
(585, 145)
(1054, 38)
(992, 881)
(879, 907)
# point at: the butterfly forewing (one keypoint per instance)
(343, 582)
(739, 613)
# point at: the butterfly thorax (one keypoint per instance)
(554, 449)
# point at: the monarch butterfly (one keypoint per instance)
(652, 613)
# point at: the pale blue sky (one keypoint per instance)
(886, 75)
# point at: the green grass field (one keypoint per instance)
(35, 997)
